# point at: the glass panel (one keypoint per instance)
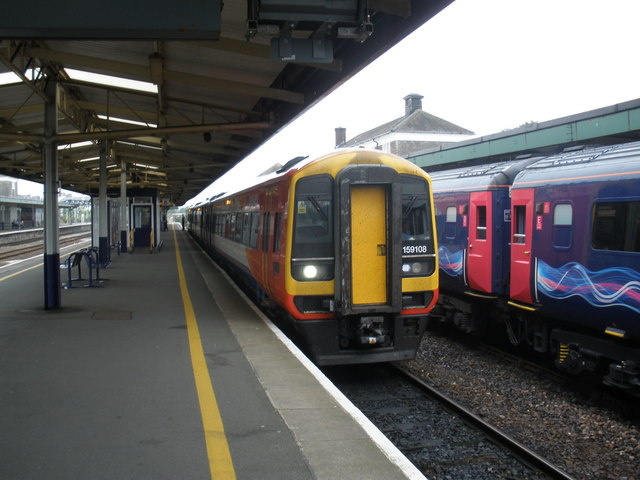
(520, 223)
(255, 224)
(417, 236)
(481, 219)
(313, 225)
(276, 232)
(563, 214)
(616, 226)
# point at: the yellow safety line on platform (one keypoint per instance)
(31, 268)
(220, 462)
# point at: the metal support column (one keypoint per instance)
(51, 218)
(103, 214)
(124, 217)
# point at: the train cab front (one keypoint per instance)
(363, 264)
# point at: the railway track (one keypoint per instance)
(27, 249)
(440, 436)
(519, 450)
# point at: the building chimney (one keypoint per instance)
(341, 136)
(412, 102)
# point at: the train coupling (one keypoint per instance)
(371, 332)
(625, 375)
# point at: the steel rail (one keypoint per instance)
(523, 453)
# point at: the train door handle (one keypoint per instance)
(527, 252)
(382, 250)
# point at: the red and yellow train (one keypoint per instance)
(343, 245)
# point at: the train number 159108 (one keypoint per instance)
(414, 249)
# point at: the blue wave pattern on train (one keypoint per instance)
(548, 248)
(451, 263)
(611, 287)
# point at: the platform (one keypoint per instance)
(156, 375)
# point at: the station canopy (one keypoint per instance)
(179, 96)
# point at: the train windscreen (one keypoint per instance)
(312, 250)
(418, 252)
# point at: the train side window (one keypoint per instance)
(451, 220)
(520, 224)
(265, 232)
(616, 226)
(255, 229)
(232, 226)
(246, 228)
(562, 225)
(276, 232)
(481, 222)
(238, 235)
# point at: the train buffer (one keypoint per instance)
(91, 260)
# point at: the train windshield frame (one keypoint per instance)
(418, 250)
(312, 251)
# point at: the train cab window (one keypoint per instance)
(451, 220)
(562, 225)
(418, 250)
(481, 222)
(520, 222)
(312, 249)
(616, 226)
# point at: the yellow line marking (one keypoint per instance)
(220, 462)
(35, 266)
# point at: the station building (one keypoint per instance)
(416, 130)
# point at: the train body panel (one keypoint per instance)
(585, 231)
(565, 269)
(473, 214)
(323, 242)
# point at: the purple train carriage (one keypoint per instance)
(549, 248)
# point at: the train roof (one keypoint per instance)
(296, 164)
(609, 163)
(500, 174)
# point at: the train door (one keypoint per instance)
(368, 244)
(521, 242)
(479, 256)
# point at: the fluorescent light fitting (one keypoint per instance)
(151, 147)
(92, 159)
(100, 79)
(75, 145)
(126, 120)
(144, 165)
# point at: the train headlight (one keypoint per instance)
(421, 267)
(310, 272)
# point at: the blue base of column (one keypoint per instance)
(123, 241)
(103, 251)
(52, 281)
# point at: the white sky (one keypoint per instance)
(485, 65)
